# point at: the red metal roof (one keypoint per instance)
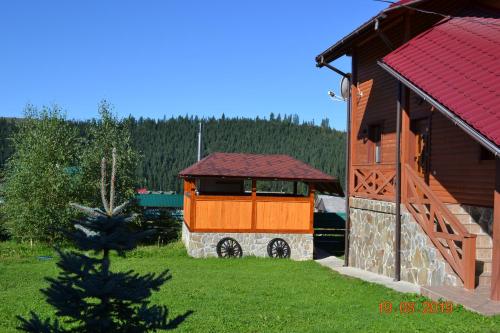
(457, 63)
(255, 166)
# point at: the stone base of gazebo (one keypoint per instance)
(203, 244)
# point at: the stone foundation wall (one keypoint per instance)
(372, 245)
(203, 244)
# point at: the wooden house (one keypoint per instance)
(225, 214)
(424, 136)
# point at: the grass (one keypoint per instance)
(244, 295)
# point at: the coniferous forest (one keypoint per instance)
(167, 146)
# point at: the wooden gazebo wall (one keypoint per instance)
(244, 213)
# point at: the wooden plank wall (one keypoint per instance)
(457, 175)
(376, 101)
(225, 213)
(236, 214)
(272, 215)
(233, 214)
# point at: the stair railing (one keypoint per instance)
(454, 242)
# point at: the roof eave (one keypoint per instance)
(305, 180)
(343, 46)
(487, 143)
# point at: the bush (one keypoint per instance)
(102, 135)
(38, 186)
(54, 163)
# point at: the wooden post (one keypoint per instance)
(254, 204)
(311, 200)
(402, 120)
(405, 143)
(186, 193)
(295, 188)
(192, 217)
(495, 262)
(405, 121)
(469, 248)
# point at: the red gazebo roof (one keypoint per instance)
(258, 166)
(254, 166)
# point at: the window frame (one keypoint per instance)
(375, 136)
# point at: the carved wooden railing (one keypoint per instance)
(374, 181)
(450, 237)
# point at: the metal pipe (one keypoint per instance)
(458, 121)
(347, 175)
(347, 159)
(336, 70)
(397, 247)
(199, 142)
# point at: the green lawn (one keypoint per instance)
(244, 295)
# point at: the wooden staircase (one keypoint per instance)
(455, 241)
(484, 247)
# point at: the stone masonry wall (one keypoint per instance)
(203, 244)
(372, 245)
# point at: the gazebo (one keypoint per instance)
(225, 215)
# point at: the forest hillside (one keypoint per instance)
(167, 146)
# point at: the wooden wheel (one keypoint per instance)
(229, 248)
(278, 248)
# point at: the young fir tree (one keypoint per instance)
(86, 293)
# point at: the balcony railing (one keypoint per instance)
(374, 181)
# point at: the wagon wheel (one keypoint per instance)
(229, 248)
(278, 248)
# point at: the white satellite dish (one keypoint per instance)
(344, 87)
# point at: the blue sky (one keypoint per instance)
(164, 58)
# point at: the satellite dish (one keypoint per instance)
(345, 87)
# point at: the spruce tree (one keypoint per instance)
(88, 297)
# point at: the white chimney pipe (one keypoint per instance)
(199, 142)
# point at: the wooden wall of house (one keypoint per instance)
(457, 174)
(377, 103)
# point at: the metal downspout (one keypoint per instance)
(347, 159)
(347, 176)
(397, 247)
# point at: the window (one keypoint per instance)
(375, 136)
